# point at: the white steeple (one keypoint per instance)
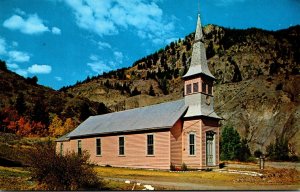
(199, 81)
(198, 64)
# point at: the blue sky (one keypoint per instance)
(62, 41)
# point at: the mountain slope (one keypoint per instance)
(257, 87)
(23, 100)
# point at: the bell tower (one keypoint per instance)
(198, 81)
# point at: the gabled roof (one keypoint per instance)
(151, 117)
(198, 62)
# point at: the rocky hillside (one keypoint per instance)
(257, 87)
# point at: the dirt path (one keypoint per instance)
(195, 186)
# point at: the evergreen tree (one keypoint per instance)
(102, 109)
(20, 104)
(244, 152)
(279, 150)
(84, 111)
(3, 66)
(151, 91)
(135, 92)
(230, 143)
(39, 113)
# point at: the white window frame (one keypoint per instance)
(61, 148)
(194, 144)
(99, 146)
(120, 145)
(79, 142)
(153, 145)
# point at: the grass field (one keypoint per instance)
(17, 178)
(272, 179)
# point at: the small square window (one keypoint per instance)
(195, 87)
(188, 89)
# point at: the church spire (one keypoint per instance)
(198, 62)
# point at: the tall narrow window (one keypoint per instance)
(61, 149)
(150, 145)
(203, 87)
(192, 143)
(79, 149)
(188, 89)
(121, 146)
(195, 87)
(209, 89)
(98, 146)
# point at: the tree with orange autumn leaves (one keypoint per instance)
(12, 122)
(58, 128)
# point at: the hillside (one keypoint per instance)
(257, 87)
(28, 109)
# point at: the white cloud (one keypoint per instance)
(32, 25)
(58, 78)
(19, 11)
(18, 56)
(110, 16)
(40, 69)
(12, 66)
(94, 57)
(99, 67)
(118, 56)
(103, 45)
(15, 44)
(56, 31)
(2, 46)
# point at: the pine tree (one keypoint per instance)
(230, 143)
(20, 104)
(151, 91)
(84, 111)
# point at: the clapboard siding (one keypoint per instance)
(188, 127)
(66, 147)
(135, 150)
(176, 143)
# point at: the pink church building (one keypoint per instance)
(157, 136)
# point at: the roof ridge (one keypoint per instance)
(148, 106)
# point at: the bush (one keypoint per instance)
(184, 167)
(257, 153)
(222, 165)
(56, 172)
(294, 158)
(172, 167)
(279, 150)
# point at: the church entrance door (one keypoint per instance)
(210, 148)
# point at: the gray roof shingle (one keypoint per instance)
(158, 116)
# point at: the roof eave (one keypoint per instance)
(119, 132)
